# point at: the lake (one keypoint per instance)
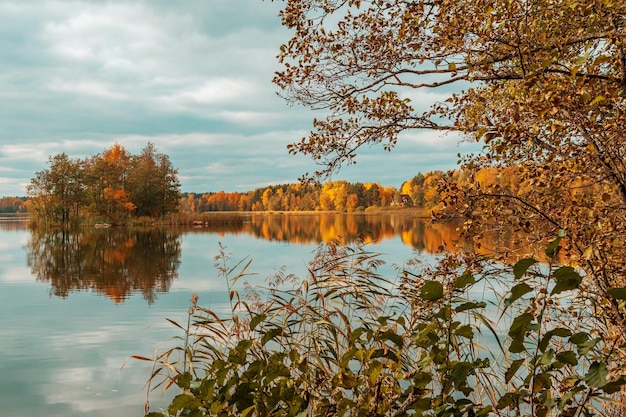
(74, 307)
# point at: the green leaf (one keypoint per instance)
(584, 348)
(596, 376)
(508, 400)
(547, 357)
(515, 365)
(559, 331)
(256, 320)
(516, 292)
(393, 337)
(541, 411)
(520, 325)
(432, 290)
(615, 385)
(465, 331)
(183, 401)
(422, 379)
(568, 357)
(459, 372)
(566, 279)
(375, 370)
(272, 333)
(551, 249)
(618, 293)
(183, 380)
(484, 412)
(464, 280)
(522, 266)
(517, 346)
(579, 338)
(517, 331)
(470, 305)
(348, 380)
(248, 411)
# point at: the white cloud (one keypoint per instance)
(213, 93)
(89, 88)
(27, 152)
(426, 140)
(220, 90)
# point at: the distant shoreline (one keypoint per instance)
(418, 212)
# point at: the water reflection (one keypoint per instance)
(416, 232)
(9, 221)
(115, 262)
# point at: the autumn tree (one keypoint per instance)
(57, 193)
(542, 84)
(107, 178)
(153, 184)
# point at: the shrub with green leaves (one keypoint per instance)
(350, 341)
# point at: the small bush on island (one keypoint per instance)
(351, 341)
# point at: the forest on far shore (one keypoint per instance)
(13, 205)
(423, 191)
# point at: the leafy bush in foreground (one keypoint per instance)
(348, 341)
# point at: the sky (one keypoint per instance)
(193, 77)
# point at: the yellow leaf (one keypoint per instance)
(596, 100)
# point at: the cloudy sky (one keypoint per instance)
(193, 77)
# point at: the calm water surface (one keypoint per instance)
(74, 308)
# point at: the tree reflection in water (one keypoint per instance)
(117, 262)
(114, 262)
(311, 229)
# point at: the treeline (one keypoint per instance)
(13, 205)
(423, 191)
(334, 195)
(420, 191)
(331, 196)
(111, 187)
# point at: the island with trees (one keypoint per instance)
(108, 188)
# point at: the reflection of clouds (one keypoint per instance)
(86, 399)
(198, 284)
(101, 388)
(98, 337)
(15, 274)
(73, 375)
